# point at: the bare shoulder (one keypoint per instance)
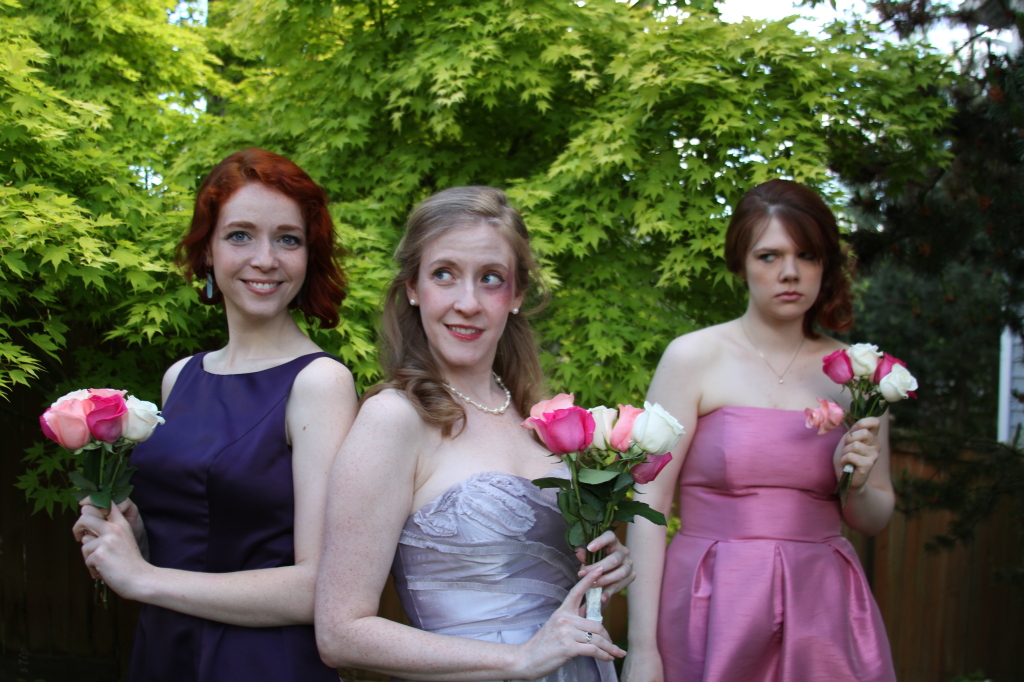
(694, 350)
(827, 344)
(324, 376)
(390, 405)
(171, 377)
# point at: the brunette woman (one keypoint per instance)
(222, 541)
(433, 482)
(758, 584)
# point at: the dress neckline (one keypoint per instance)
(486, 473)
(750, 407)
(202, 365)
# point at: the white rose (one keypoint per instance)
(864, 358)
(142, 418)
(604, 420)
(897, 384)
(80, 394)
(655, 430)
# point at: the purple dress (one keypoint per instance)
(487, 559)
(759, 584)
(214, 488)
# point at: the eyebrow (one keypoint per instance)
(448, 262)
(284, 227)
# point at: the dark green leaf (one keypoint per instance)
(81, 481)
(552, 482)
(596, 476)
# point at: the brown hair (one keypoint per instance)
(812, 226)
(323, 289)
(408, 364)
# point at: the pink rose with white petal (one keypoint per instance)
(559, 402)
(824, 418)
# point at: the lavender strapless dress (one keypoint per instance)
(759, 584)
(488, 560)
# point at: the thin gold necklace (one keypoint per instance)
(758, 351)
(488, 410)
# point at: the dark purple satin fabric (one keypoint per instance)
(214, 488)
(759, 584)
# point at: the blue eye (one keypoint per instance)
(291, 240)
(442, 275)
(807, 256)
(492, 278)
(237, 236)
(767, 257)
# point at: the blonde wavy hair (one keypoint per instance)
(405, 356)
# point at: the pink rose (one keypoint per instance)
(885, 366)
(649, 470)
(562, 401)
(824, 418)
(66, 423)
(566, 430)
(108, 415)
(622, 433)
(838, 367)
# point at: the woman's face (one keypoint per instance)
(258, 251)
(783, 279)
(465, 291)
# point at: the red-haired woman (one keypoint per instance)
(223, 545)
(759, 585)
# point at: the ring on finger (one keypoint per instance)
(590, 636)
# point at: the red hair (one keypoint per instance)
(812, 226)
(323, 289)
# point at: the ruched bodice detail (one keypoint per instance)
(488, 559)
(759, 584)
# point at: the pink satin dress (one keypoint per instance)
(759, 584)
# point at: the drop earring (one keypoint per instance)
(209, 285)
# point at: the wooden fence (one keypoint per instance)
(946, 613)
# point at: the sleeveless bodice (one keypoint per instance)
(488, 559)
(756, 473)
(215, 492)
(759, 584)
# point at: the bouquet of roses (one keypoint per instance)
(102, 425)
(607, 453)
(874, 380)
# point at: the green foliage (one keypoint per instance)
(942, 266)
(623, 133)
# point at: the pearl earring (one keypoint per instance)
(515, 311)
(412, 301)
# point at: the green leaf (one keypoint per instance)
(101, 499)
(576, 537)
(552, 482)
(122, 494)
(81, 481)
(624, 480)
(596, 476)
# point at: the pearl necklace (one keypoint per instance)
(497, 410)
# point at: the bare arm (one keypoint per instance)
(320, 410)
(675, 388)
(370, 498)
(871, 500)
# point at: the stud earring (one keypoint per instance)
(209, 285)
(515, 311)
(412, 301)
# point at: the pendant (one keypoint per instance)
(780, 381)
